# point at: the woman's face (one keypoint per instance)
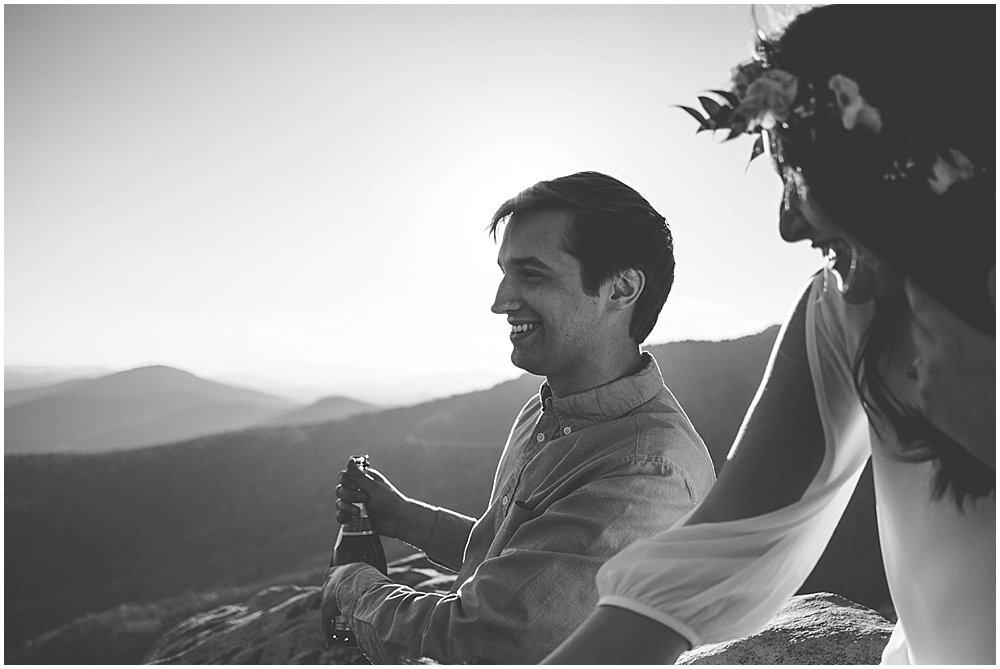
(861, 276)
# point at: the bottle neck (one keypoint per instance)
(360, 524)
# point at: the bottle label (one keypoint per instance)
(360, 533)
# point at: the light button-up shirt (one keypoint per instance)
(580, 478)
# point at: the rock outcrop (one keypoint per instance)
(280, 625)
(811, 629)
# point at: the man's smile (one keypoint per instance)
(519, 331)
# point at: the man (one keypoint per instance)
(602, 456)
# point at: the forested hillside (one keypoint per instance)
(88, 532)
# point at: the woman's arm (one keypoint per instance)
(613, 635)
(780, 445)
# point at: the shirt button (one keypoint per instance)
(505, 500)
(567, 430)
(539, 437)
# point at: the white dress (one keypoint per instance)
(718, 581)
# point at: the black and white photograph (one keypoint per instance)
(499, 334)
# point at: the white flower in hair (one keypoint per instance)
(854, 111)
(950, 172)
(769, 98)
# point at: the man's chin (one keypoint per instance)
(526, 363)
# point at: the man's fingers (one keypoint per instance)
(359, 479)
(328, 606)
(347, 507)
(326, 624)
(326, 618)
(345, 492)
(345, 480)
(376, 475)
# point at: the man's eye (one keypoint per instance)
(530, 276)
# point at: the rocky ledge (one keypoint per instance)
(821, 628)
(280, 625)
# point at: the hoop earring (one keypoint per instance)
(852, 273)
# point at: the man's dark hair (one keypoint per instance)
(614, 229)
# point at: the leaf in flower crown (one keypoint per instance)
(737, 126)
(731, 98)
(710, 105)
(720, 114)
(758, 149)
(705, 124)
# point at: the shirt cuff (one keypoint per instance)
(353, 580)
(448, 538)
(659, 616)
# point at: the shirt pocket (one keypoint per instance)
(519, 513)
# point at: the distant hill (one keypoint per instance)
(85, 533)
(26, 394)
(322, 411)
(139, 407)
(18, 377)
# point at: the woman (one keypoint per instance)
(880, 120)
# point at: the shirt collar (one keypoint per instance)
(606, 402)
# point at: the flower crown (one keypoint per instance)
(765, 98)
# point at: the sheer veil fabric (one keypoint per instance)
(718, 581)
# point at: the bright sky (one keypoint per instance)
(299, 193)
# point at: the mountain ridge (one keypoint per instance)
(325, 409)
(88, 532)
(137, 407)
(17, 377)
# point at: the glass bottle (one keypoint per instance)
(357, 541)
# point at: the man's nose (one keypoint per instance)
(506, 298)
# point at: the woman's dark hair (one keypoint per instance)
(928, 71)
(614, 229)
(958, 471)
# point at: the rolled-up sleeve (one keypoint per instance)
(520, 604)
(448, 537)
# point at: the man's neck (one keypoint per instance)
(612, 369)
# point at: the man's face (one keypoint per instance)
(557, 330)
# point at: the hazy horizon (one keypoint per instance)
(417, 388)
(299, 193)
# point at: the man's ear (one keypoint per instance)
(626, 288)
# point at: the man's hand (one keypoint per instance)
(385, 503)
(328, 608)
(955, 375)
(393, 514)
